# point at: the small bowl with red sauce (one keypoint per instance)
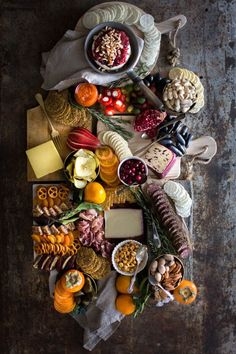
(132, 171)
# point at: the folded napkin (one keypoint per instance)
(66, 65)
(101, 319)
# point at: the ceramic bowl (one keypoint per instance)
(142, 265)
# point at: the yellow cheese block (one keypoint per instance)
(44, 159)
(123, 223)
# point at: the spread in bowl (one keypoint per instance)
(111, 48)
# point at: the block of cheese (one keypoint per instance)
(44, 159)
(160, 159)
(123, 223)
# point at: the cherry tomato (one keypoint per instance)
(106, 92)
(119, 106)
(109, 111)
(186, 292)
(123, 98)
(116, 93)
(106, 101)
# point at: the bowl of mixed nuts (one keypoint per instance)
(124, 257)
(166, 270)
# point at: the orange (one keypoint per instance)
(123, 283)
(94, 193)
(80, 278)
(125, 304)
(86, 94)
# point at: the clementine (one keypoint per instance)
(123, 283)
(86, 94)
(94, 193)
(125, 304)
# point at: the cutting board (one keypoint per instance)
(37, 133)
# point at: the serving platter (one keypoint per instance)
(130, 14)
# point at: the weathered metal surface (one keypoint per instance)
(28, 323)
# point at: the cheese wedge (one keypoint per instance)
(123, 223)
(44, 159)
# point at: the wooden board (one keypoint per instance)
(37, 133)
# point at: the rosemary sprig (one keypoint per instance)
(111, 123)
(150, 217)
(142, 71)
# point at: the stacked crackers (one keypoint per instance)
(60, 110)
(91, 263)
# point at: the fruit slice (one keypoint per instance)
(109, 162)
(110, 171)
(104, 153)
(108, 179)
(84, 166)
(64, 308)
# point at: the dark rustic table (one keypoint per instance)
(28, 323)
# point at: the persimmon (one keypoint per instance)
(104, 153)
(86, 94)
(186, 292)
(72, 281)
(64, 308)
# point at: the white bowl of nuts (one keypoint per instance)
(180, 95)
(124, 257)
(167, 270)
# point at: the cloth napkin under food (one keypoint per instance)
(101, 319)
(66, 65)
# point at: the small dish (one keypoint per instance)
(121, 245)
(168, 278)
(79, 182)
(127, 170)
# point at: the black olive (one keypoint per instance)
(178, 126)
(147, 83)
(180, 139)
(166, 142)
(188, 139)
(181, 148)
(184, 130)
(175, 150)
(157, 77)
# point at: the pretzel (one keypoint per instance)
(63, 193)
(41, 193)
(53, 192)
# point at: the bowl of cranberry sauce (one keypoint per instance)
(132, 171)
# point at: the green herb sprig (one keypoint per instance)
(142, 297)
(150, 217)
(112, 123)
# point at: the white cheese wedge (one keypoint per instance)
(123, 223)
(44, 159)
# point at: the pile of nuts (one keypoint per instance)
(125, 257)
(167, 270)
(179, 95)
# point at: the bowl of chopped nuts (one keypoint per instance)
(124, 257)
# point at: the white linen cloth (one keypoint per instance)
(66, 65)
(101, 319)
